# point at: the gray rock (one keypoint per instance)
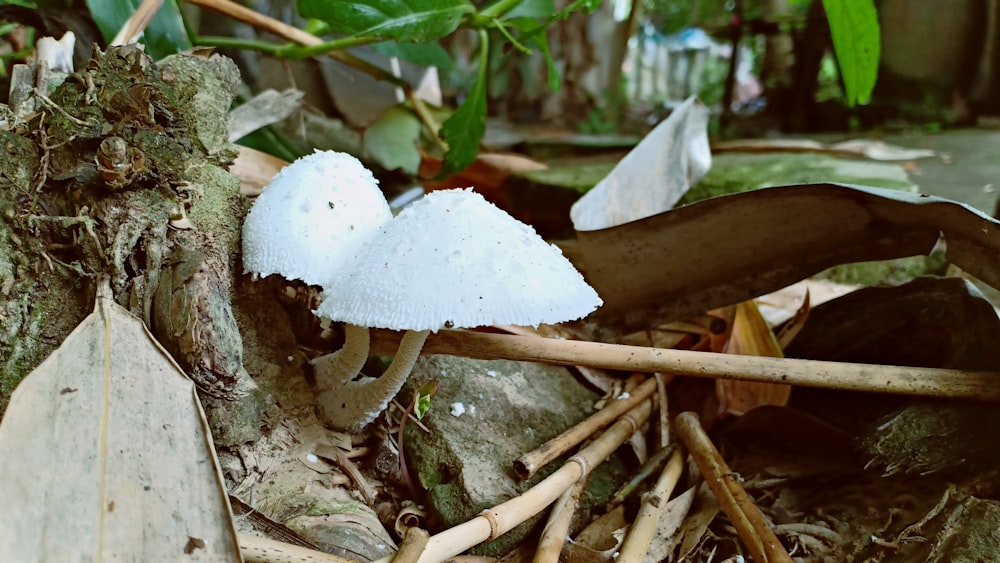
(466, 462)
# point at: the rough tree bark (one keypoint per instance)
(122, 171)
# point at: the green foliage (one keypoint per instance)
(422, 400)
(402, 20)
(405, 29)
(165, 34)
(424, 54)
(856, 40)
(390, 140)
(465, 128)
(533, 9)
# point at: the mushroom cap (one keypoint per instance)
(454, 259)
(311, 216)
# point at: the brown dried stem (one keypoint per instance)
(135, 25)
(933, 382)
(751, 526)
(413, 545)
(557, 528)
(526, 465)
(640, 535)
(265, 550)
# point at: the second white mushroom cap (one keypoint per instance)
(311, 217)
(454, 259)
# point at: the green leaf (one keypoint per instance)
(555, 79)
(165, 34)
(855, 31)
(534, 35)
(392, 140)
(464, 130)
(537, 9)
(424, 54)
(587, 6)
(422, 402)
(403, 20)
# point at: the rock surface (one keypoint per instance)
(465, 462)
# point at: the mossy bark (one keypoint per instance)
(121, 172)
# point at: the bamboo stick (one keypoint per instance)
(638, 477)
(933, 382)
(134, 26)
(556, 530)
(751, 527)
(640, 535)
(259, 20)
(413, 545)
(526, 465)
(265, 550)
(502, 518)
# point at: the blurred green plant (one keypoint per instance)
(414, 26)
(165, 34)
(406, 29)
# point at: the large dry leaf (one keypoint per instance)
(732, 248)
(105, 455)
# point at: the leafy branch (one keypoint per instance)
(521, 23)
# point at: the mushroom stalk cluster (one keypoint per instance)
(452, 260)
(344, 403)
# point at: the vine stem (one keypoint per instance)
(500, 9)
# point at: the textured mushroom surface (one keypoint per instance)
(312, 216)
(454, 259)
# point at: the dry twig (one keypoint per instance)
(640, 535)
(135, 25)
(753, 530)
(526, 465)
(296, 35)
(264, 550)
(556, 529)
(413, 545)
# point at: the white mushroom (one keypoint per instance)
(312, 216)
(449, 260)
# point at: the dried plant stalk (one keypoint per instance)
(135, 25)
(526, 465)
(932, 382)
(753, 530)
(258, 20)
(265, 550)
(641, 533)
(557, 528)
(413, 545)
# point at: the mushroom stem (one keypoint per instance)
(351, 405)
(336, 369)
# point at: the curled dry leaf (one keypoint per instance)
(751, 336)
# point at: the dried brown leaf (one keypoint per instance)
(105, 455)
